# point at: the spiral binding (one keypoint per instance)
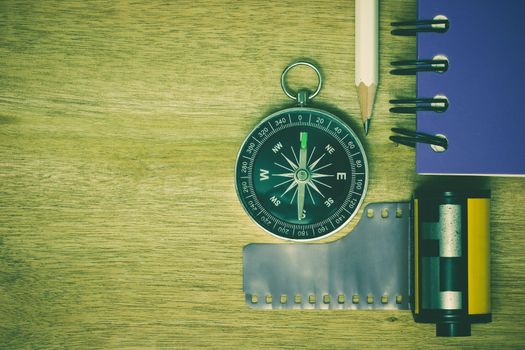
(438, 64)
(410, 138)
(411, 67)
(412, 105)
(411, 28)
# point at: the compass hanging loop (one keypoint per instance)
(303, 95)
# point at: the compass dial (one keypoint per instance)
(301, 174)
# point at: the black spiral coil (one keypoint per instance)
(411, 67)
(411, 138)
(438, 64)
(411, 28)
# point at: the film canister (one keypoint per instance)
(450, 266)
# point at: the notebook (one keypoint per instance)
(484, 84)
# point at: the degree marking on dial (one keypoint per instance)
(329, 124)
(271, 126)
(356, 193)
(344, 137)
(290, 118)
(356, 153)
(331, 223)
(246, 157)
(259, 142)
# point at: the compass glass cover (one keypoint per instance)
(301, 174)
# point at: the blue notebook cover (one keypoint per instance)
(485, 86)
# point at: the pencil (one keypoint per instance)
(366, 60)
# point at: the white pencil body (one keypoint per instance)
(366, 56)
(366, 42)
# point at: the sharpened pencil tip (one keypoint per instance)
(366, 125)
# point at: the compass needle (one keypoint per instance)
(301, 173)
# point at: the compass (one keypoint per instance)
(301, 173)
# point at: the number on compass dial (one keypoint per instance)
(301, 174)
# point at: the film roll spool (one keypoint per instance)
(451, 262)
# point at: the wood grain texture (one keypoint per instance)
(119, 127)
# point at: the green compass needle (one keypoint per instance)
(302, 174)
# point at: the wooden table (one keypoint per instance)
(119, 127)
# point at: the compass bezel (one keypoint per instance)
(305, 111)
